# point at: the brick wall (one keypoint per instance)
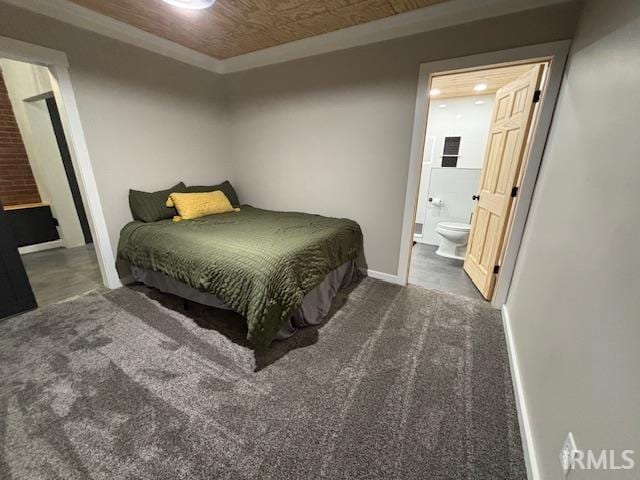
(17, 185)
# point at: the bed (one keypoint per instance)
(280, 270)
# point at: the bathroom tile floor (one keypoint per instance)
(438, 273)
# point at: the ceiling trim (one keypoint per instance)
(423, 20)
(426, 19)
(87, 19)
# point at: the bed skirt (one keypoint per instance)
(315, 305)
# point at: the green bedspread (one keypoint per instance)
(258, 262)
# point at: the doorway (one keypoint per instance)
(478, 128)
(553, 55)
(47, 246)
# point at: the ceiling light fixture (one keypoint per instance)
(480, 102)
(191, 4)
(442, 106)
(481, 87)
(434, 92)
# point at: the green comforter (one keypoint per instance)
(258, 262)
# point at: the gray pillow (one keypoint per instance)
(225, 187)
(150, 206)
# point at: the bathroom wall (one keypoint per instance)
(24, 81)
(462, 116)
(455, 187)
(452, 117)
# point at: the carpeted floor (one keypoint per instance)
(398, 383)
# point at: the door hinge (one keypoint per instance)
(514, 192)
(536, 96)
(496, 269)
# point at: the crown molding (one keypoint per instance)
(442, 15)
(87, 19)
(426, 19)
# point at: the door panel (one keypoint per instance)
(16, 295)
(508, 134)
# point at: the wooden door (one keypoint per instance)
(508, 135)
(16, 295)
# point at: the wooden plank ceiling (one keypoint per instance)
(461, 84)
(234, 27)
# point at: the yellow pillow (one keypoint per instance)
(196, 205)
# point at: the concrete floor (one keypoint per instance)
(438, 273)
(62, 273)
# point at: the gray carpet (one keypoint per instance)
(398, 383)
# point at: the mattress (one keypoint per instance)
(260, 263)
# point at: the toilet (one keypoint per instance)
(455, 236)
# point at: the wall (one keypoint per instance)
(25, 81)
(461, 117)
(149, 121)
(574, 304)
(331, 134)
(458, 117)
(17, 184)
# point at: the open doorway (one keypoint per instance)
(480, 124)
(42, 209)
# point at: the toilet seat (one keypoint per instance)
(456, 227)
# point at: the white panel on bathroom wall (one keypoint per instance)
(455, 187)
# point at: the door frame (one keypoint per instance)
(67, 163)
(556, 54)
(58, 64)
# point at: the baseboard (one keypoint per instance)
(385, 277)
(40, 247)
(523, 417)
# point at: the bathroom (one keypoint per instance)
(460, 116)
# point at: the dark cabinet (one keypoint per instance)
(16, 295)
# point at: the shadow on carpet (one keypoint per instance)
(227, 322)
(401, 382)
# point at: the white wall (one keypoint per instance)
(574, 303)
(25, 81)
(461, 117)
(452, 117)
(149, 121)
(331, 134)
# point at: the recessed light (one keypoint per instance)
(191, 4)
(459, 115)
(481, 87)
(480, 102)
(442, 105)
(434, 92)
